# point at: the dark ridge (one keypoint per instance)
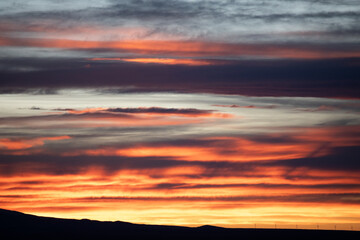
(210, 227)
(16, 225)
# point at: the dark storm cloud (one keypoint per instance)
(321, 78)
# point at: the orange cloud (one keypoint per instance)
(241, 150)
(307, 142)
(19, 144)
(256, 188)
(86, 110)
(132, 40)
(135, 193)
(184, 48)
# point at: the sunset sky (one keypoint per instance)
(182, 112)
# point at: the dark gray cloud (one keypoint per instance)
(341, 159)
(344, 159)
(248, 106)
(204, 19)
(320, 78)
(60, 117)
(57, 165)
(32, 91)
(175, 186)
(157, 110)
(100, 113)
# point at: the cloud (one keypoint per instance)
(263, 186)
(249, 106)
(79, 71)
(192, 112)
(298, 198)
(244, 51)
(63, 165)
(320, 108)
(36, 108)
(58, 165)
(115, 117)
(320, 78)
(341, 158)
(31, 91)
(197, 19)
(167, 61)
(194, 48)
(19, 144)
(158, 110)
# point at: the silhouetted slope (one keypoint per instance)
(16, 225)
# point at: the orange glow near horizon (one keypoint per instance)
(162, 208)
(166, 61)
(129, 196)
(97, 195)
(188, 195)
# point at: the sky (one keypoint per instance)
(182, 112)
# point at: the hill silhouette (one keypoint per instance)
(16, 225)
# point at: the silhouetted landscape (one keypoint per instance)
(16, 225)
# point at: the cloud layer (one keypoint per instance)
(219, 155)
(181, 112)
(231, 47)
